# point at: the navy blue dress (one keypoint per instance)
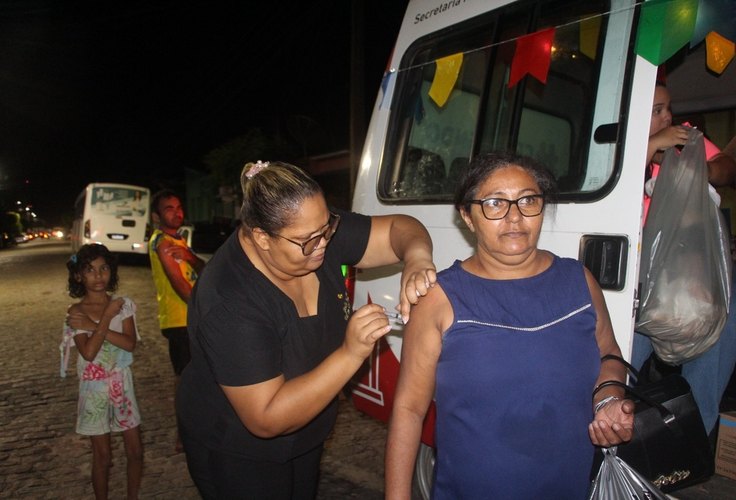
(514, 383)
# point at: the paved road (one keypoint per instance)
(41, 456)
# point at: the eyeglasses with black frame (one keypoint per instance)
(497, 208)
(308, 247)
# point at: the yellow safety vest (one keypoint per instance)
(172, 310)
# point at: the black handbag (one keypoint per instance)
(670, 446)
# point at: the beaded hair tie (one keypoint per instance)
(255, 169)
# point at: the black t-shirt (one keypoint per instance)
(244, 330)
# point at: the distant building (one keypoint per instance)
(206, 201)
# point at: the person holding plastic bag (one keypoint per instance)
(685, 275)
(709, 373)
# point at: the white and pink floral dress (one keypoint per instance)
(106, 395)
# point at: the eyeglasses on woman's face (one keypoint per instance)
(310, 245)
(497, 208)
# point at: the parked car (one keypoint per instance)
(6, 240)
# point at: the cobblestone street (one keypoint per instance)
(41, 457)
(40, 454)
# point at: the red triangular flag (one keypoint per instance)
(533, 55)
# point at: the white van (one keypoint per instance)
(589, 123)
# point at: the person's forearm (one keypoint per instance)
(651, 151)
(121, 340)
(94, 342)
(182, 288)
(722, 171)
(198, 264)
(301, 399)
(611, 369)
(402, 445)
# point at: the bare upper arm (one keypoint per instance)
(379, 251)
(167, 260)
(421, 348)
(393, 238)
(172, 270)
(722, 170)
(129, 330)
(80, 341)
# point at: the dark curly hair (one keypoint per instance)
(482, 166)
(81, 259)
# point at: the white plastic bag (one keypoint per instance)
(686, 259)
(617, 481)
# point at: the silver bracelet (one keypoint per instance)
(603, 402)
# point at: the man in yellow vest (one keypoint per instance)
(175, 268)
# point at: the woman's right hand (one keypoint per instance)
(366, 326)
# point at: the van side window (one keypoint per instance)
(429, 145)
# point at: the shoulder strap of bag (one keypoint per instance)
(633, 371)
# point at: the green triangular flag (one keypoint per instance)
(665, 26)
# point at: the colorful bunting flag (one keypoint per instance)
(715, 15)
(533, 55)
(387, 87)
(719, 51)
(445, 76)
(589, 34)
(676, 17)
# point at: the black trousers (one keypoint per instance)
(220, 475)
(179, 354)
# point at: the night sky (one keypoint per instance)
(137, 91)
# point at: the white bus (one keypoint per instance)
(115, 215)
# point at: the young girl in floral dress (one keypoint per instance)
(103, 329)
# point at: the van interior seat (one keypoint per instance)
(457, 167)
(424, 173)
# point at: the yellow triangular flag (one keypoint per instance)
(445, 77)
(589, 31)
(719, 51)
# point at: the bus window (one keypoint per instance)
(119, 201)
